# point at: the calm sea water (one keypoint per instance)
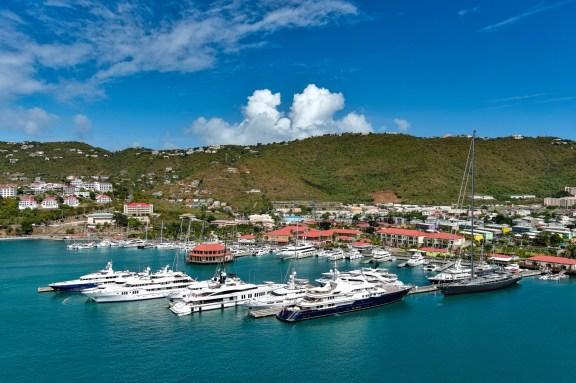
(523, 334)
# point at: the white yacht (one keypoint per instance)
(342, 294)
(453, 274)
(88, 281)
(300, 250)
(416, 259)
(282, 296)
(142, 286)
(381, 255)
(221, 293)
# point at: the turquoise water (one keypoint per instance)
(524, 333)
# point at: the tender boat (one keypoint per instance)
(142, 286)
(88, 281)
(453, 274)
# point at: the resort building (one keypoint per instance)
(71, 201)
(27, 203)
(49, 203)
(407, 238)
(138, 209)
(209, 253)
(8, 191)
(284, 235)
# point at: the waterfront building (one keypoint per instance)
(138, 209)
(285, 234)
(551, 263)
(209, 253)
(27, 203)
(8, 191)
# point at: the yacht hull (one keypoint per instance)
(289, 314)
(464, 287)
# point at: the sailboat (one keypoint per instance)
(478, 283)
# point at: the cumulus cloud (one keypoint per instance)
(401, 124)
(82, 126)
(35, 122)
(311, 114)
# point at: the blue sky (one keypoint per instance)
(178, 74)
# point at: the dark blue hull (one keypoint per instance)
(289, 314)
(73, 287)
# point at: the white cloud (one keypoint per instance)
(34, 121)
(89, 43)
(541, 7)
(401, 124)
(82, 126)
(464, 12)
(311, 114)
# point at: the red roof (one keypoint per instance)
(443, 236)
(209, 247)
(407, 232)
(347, 239)
(138, 204)
(347, 231)
(551, 259)
(248, 236)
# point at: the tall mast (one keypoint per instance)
(472, 200)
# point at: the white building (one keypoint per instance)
(49, 203)
(8, 191)
(71, 201)
(103, 198)
(138, 208)
(27, 203)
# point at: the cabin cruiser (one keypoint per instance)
(300, 250)
(416, 259)
(381, 255)
(145, 285)
(224, 291)
(342, 294)
(88, 281)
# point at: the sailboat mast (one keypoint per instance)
(472, 200)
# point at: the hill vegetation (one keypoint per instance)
(350, 168)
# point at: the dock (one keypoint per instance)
(264, 312)
(423, 289)
(45, 289)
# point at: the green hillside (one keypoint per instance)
(347, 168)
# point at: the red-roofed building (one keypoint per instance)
(138, 208)
(284, 235)
(347, 235)
(247, 239)
(551, 263)
(318, 237)
(407, 237)
(209, 253)
(27, 203)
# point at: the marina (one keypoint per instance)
(77, 326)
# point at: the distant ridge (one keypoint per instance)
(347, 168)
